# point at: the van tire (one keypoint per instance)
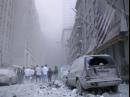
(79, 87)
(114, 89)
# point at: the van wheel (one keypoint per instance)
(79, 87)
(114, 89)
(100, 91)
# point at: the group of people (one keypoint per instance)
(38, 73)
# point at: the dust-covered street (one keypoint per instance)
(64, 48)
(58, 89)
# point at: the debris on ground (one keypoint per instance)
(57, 89)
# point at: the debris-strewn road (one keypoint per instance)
(48, 90)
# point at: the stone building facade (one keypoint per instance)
(65, 45)
(6, 28)
(68, 21)
(101, 27)
(20, 33)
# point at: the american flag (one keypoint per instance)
(107, 24)
(104, 22)
(100, 14)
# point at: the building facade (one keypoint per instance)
(101, 27)
(20, 33)
(68, 13)
(68, 21)
(65, 45)
(6, 28)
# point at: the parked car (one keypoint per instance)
(7, 77)
(93, 71)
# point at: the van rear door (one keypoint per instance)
(102, 67)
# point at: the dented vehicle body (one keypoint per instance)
(93, 71)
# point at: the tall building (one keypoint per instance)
(65, 45)
(68, 13)
(6, 28)
(101, 27)
(68, 21)
(21, 36)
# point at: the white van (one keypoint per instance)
(93, 71)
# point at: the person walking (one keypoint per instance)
(35, 72)
(22, 75)
(42, 76)
(32, 74)
(55, 73)
(50, 74)
(27, 73)
(38, 73)
(45, 72)
(18, 75)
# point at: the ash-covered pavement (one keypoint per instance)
(52, 90)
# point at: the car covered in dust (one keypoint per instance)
(92, 72)
(7, 77)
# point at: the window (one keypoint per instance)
(94, 2)
(96, 61)
(105, 61)
(89, 10)
(122, 49)
(85, 4)
(114, 50)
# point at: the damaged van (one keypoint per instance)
(92, 72)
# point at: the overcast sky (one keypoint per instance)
(50, 16)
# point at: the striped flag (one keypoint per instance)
(107, 25)
(100, 14)
(103, 26)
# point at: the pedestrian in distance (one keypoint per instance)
(55, 73)
(42, 76)
(38, 73)
(18, 75)
(32, 74)
(35, 72)
(22, 75)
(45, 73)
(50, 75)
(27, 73)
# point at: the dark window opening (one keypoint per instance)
(97, 61)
